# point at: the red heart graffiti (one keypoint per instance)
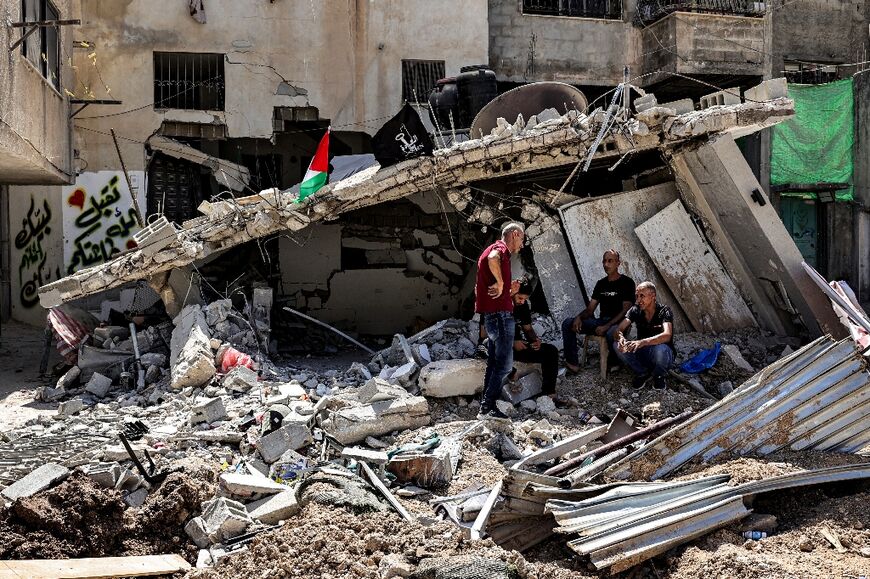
(77, 199)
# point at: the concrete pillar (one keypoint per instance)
(748, 236)
(5, 256)
(861, 182)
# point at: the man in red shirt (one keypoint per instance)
(492, 300)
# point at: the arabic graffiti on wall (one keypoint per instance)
(31, 242)
(99, 219)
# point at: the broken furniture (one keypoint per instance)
(603, 348)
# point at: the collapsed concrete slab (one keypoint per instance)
(271, 510)
(191, 359)
(352, 425)
(292, 436)
(38, 480)
(555, 143)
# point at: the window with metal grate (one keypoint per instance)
(189, 80)
(419, 78)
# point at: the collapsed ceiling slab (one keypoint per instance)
(557, 142)
(231, 175)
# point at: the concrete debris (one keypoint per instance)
(221, 519)
(354, 424)
(274, 509)
(98, 385)
(245, 486)
(240, 379)
(376, 390)
(70, 407)
(192, 359)
(207, 410)
(291, 436)
(734, 353)
(38, 480)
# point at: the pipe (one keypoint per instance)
(328, 327)
(619, 443)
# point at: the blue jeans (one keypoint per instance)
(500, 328)
(655, 360)
(569, 338)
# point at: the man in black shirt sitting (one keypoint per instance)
(615, 293)
(527, 344)
(653, 352)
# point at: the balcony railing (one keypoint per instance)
(648, 11)
(609, 9)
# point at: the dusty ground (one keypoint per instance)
(20, 352)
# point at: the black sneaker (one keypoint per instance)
(659, 383)
(639, 381)
(492, 414)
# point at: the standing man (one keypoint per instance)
(492, 300)
(653, 352)
(615, 293)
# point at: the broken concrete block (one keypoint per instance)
(506, 407)
(378, 389)
(69, 380)
(530, 405)
(38, 480)
(274, 509)
(248, 485)
(725, 388)
(430, 469)
(722, 97)
(195, 529)
(105, 474)
(137, 498)
(680, 107)
(49, 394)
(224, 519)
(240, 379)
(352, 425)
(545, 404)
(217, 312)
(446, 378)
(154, 359)
(768, 90)
(153, 375)
(191, 359)
(363, 454)
(404, 374)
(291, 390)
(70, 407)
(358, 372)
(734, 354)
(645, 102)
(523, 388)
(99, 385)
(207, 410)
(292, 436)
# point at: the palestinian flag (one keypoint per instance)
(318, 170)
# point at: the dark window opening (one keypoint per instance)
(265, 171)
(610, 9)
(42, 47)
(175, 188)
(648, 11)
(187, 80)
(419, 78)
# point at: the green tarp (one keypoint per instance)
(816, 145)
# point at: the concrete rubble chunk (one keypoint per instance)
(137, 498)
(768, 90)
(432, 468)
(38, 480)
(545, 404)
(680, 107)
(240, 379)
(195, 529)
(224, 519)
(645, 102)
(207, 410)
(523, 388)
(734, 354)
(70, 379)
(377, 389)
(275, 508)
(70, 407)
(105, 474)
(191, 358)
(461, 377)
(364, 454)
(292, 436)
(99, 385)
(217, 312)
(352, 425)
(248, 485)
(403, 375)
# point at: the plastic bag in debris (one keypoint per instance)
(464, 567)
(703, 360)
(228, 358)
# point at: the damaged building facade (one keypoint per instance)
(232, 100)
(35, 150)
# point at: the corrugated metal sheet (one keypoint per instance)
(628, 524)
(816, 399)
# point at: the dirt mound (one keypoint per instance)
(78, 518)
(331, 542)
(75, 519)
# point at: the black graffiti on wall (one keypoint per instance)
(32, 271)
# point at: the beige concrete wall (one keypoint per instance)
(342, 57)
(34, 125)
(36, 247)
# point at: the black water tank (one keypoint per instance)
(476, 86)
(444, 100)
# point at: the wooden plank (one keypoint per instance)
(378, 484)
(94, 567)
(597, 224)
(693, 272)
(562, 447)
(477, 529)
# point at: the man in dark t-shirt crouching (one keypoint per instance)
(652, 354)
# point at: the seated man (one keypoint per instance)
(527, 344)
(615, 293)
(653, 352)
